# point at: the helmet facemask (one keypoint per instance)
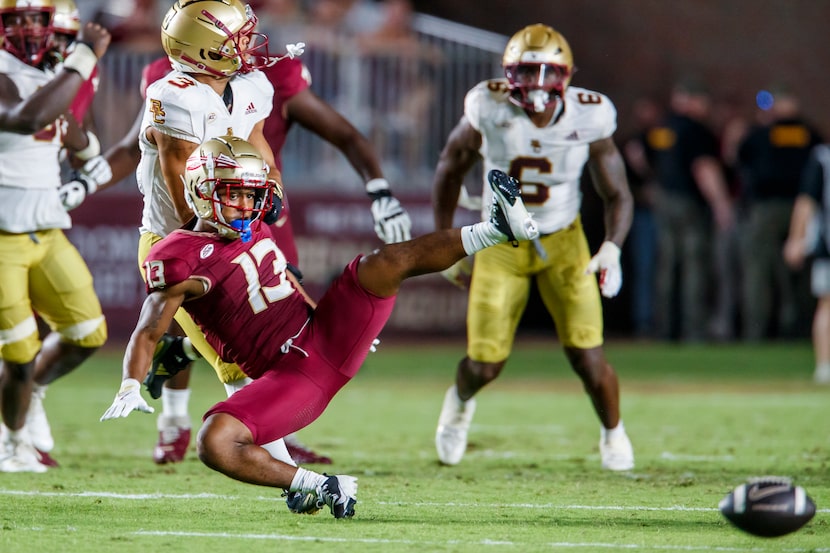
(27, 31)
(536, 85)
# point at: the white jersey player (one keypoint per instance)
(28, 183)
(185, 109)
(548, 161)
(40, 270)
(537, 129)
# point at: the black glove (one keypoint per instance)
(273, 214)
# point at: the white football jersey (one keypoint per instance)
(29, 166)
(548, 161)
(184, 108)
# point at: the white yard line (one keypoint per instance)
(212, 496)
(450, 543)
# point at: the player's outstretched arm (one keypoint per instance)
(156, 315)
(392, 222)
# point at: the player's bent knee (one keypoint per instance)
(219, 436)
(481, 373)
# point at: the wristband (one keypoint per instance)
(81, 59)
(92, 149)
(376, 185)
(128, 385)
(378, 188)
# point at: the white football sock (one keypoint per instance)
(279, 452)
(481, 235)
(306, 481)
(174, 402)
(609, 434)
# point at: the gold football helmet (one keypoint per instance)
(213, 37)
(538, 64)
(214, 173)
(65, 25)
(27, 28)
(66, 20)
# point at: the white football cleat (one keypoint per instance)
(616, 453)
(339, 492)
(19, 456)
(822, 374)
(453, 425)
(37, 423)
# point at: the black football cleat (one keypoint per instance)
(508, 212)
(168, 360)
(303, 503)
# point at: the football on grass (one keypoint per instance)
(768, 507)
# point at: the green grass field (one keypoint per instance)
(702, 420)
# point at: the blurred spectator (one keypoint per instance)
(770, 161)
(402, 72)
(641, 246)
(809, 237)
(283, 21)
(692, 190)
(332, 21)
(731, 125)
(134, 24)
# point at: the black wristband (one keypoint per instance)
(385, 193)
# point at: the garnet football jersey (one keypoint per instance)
(232, 269)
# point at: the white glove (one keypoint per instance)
(98, 171)
(459, 272)
(392, 223)
(127, 400)
(94, 173)
(607, 263)
(72, 193)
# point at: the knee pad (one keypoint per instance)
(20, 344)
(88, 334)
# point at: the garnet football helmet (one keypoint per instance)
(213, 37)
(213, 172)
(538, 65)
(27, 28)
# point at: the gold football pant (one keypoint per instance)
(500, 288)
(42, 272)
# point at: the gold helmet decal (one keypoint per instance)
(213, 37)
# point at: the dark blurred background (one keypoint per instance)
(630, 48)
